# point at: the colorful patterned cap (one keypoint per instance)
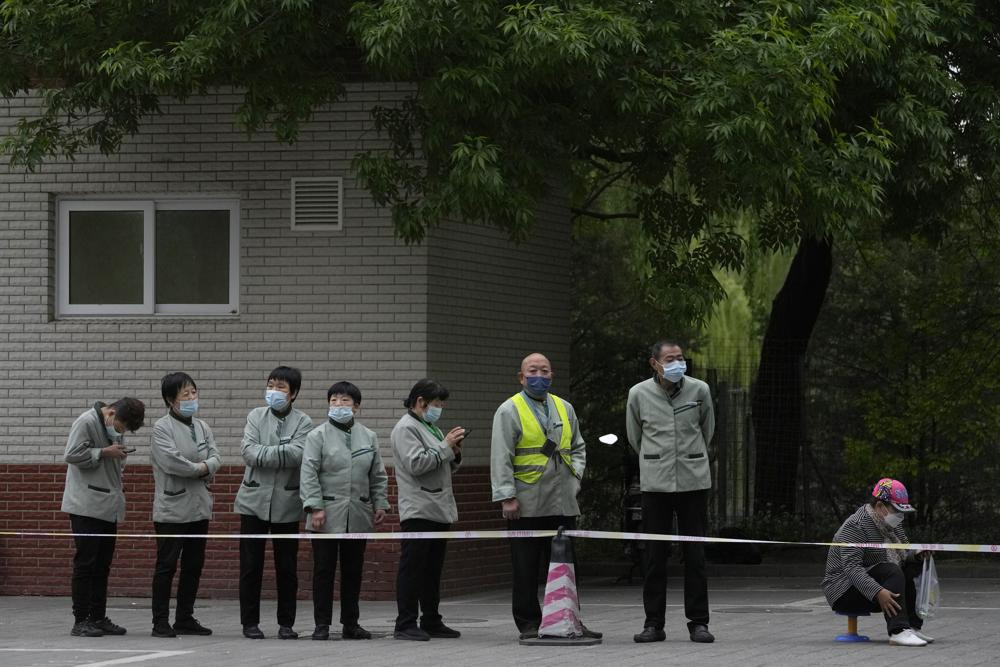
(893, 492)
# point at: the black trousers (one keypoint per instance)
(91, 567)
(658, 510)
(529, 559)
(418, 581)
(191, 553)
(352, 561)
(897, 580)
(285, 552)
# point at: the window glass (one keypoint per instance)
(192, 257)
(105, 257)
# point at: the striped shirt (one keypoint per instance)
(848, 567)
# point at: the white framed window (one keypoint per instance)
(317, 204)
(147, 257)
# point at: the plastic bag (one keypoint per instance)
(928, 589)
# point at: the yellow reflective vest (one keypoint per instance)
(529, 462)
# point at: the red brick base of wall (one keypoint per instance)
(31, 494)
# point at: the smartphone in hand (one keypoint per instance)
(466, 433)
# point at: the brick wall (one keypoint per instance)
(339, 305)
(42, 565)
(464, 307)
(491, 303)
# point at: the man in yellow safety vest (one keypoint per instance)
(537, 459)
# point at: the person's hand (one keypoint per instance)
(511, 509)
(922, 555)
(454, 437)
(115, 451)
(202, 469)
(318, 519)
(887, 600)
(379, 516)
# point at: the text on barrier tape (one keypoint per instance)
(506, 534)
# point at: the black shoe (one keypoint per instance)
(252, 632)
(591, 634)
(321, 633)
(530, 632)
(286, 632)
(86, 629)
(355, 632)
(163, 630)
(649, 634)
(107, 627)
(700, 634)
(441, 631)
(412, 633)
(191, 626)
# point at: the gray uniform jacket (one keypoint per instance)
(272, 450)
(555, 493)
(423, 465)
(671, 434)
(181, 493)
(343, 475)
(93, 485)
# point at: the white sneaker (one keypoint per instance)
(906, 638)
(926, 638)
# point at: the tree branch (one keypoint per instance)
(612, 156)
(604, 186)
(597, 215)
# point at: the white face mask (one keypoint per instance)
(893, 519)
(673, 371)
(276, 400)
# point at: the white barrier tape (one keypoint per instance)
(506, 534)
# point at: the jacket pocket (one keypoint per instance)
(424, 488)
(695, 456)
(651, 457)
(249, 481)
(329, 497)
(99, 489)
(289, 487)
(174, 493)
(365, 499)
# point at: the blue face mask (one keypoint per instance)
(674, 371)
(188, 408)
(342, 414)
(276, 400)
(112, 433)
(432, 414)
(537, 385)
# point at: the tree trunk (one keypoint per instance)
(778, 396)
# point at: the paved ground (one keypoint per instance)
(776, 621)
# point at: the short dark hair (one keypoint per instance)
(172, 384)
(346, 388)
(129, 411)
(426, 389)
(657, 347)
(288, 374)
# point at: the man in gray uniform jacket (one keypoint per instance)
(268, 500)
(670, 420)
(94, 499)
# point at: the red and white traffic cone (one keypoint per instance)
(561, 620)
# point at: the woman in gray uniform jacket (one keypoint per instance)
(424, 459)
(344, 489)
(184, 460)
